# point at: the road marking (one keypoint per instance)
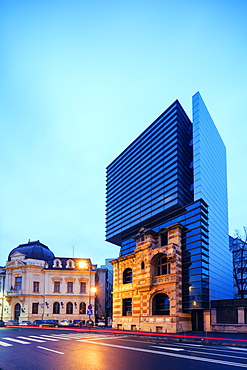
(32, 339)
(51, 350)
(5, 344)
(238, 348)
(187, 344)
(16, 340)
(100, 338)
(172, 349)
(216, 361)
(52, 339)
(56, 337)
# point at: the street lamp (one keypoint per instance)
(83, 264)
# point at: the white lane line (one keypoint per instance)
(187, 344)
(172, 349)
(52, 339)
(32, 339)
(16, 340)
(216, 361)
(51, 350)
(238, 348)
(100, 338)
(5, 344)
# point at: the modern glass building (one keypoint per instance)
(175, 171)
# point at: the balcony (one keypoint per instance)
(14, 293)
(170, 278)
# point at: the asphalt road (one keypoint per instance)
(55, 349)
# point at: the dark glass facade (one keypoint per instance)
(152, 176)
(163, 178)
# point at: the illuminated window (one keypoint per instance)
(82, 309)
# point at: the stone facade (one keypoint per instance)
(229, 315)
(147, 284)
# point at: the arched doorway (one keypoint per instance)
(17, 311)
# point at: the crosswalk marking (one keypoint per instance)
(32, 339)
(16, 340)
(52, 339)
(55, 336)
(5, 344)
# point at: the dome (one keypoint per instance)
(34, 250)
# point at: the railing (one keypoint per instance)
(170, 278)
(163, 279)
(12, 293)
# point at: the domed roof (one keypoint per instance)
(34, 250)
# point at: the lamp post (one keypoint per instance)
(93, 290)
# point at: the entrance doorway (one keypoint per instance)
(197, 320)
(17, 311)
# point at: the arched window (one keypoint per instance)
(82, 310)
(161, 304)
(127, 276)
(56, 308)
(163, 266)
(142, 265)
(69, 308)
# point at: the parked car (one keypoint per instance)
(77, 323)
(89, 323)
(11, 322)
(101, 323)
(53, 323)
(25, 322)
(1, 323)
(66, 322)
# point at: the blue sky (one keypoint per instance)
(80, 80)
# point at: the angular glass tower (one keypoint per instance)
(175, 171)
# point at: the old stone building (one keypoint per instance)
(39, 285)
(147, 285)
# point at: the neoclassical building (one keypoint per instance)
(147, 284)
(39, 285)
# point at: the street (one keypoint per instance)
(39, 348)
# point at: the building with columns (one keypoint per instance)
(39, 286)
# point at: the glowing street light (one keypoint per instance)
(83, 264)
(93, 289)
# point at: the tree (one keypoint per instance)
(238, 246)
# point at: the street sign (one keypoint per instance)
(89, 307)
(89, 312)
